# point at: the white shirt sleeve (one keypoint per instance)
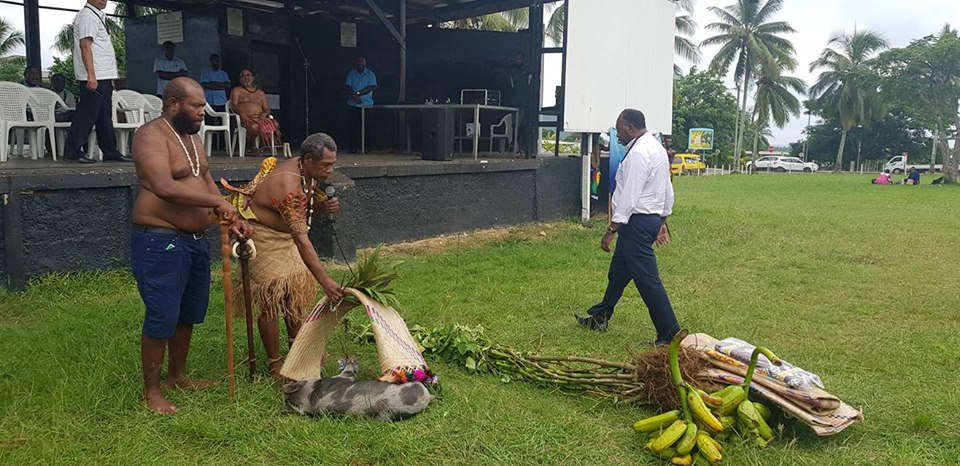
(183, 65)
(668, 202)
(156, 65)
(632, 176)
(87, 26)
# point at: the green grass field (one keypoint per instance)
(858, 283)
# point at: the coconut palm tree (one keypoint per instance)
(683, 47)
(749, 39)
(776, 98)
(63, 42)
(10, 38)
(848, 84)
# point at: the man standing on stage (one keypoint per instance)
(95, 65)
(361, 82)
(170, 255)
(279, 203)
(641, 204)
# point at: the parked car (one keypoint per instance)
(684, 164)
(782, 164)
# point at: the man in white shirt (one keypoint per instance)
(641, 203)
(168, 67)
(94, 65)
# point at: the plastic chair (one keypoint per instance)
(223, 127)
(154, 107)
(132, 103)
(240, 135)
(13, 114)
(43, 105)
(505, 135)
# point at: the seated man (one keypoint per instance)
(58, 84)
(250, 104)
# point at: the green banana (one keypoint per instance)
(729, 422)
(669, 436)
(763, 410)
(749, 415)
(710, 400)
(666, 453)
(701, 412)
(682, 460)
(688, 441)
(708, 448)
(657, 422)
(731, 400)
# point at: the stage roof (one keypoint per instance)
(418, 11)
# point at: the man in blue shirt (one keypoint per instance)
(215, 83)
(361, 82)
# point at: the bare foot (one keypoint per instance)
(191, 384)
(158, 404)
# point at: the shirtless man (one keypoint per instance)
(170, 256)
(250, 104)
(279, 203)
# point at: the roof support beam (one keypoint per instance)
(401, 38)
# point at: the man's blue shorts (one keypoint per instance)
(173, 276)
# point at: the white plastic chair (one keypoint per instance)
(154, 108)
(13, 114)
(240, 135)
(43, 106)
(223, 127)
(505, 135)
(132, 104)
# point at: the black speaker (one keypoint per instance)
(438, 129)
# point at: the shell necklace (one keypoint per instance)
(309, 191)
(194, 166)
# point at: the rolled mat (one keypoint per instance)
(400, 358)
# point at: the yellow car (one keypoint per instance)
(686, 163)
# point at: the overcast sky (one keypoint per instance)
(899, 21)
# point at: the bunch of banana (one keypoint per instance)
(691, 435)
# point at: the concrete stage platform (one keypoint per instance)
(61, 216)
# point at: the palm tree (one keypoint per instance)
(683, 47)
(10, 38)
(775, 98)
(748, 37)
(848, 84)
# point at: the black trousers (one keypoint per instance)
(635, 261)
(94, 108)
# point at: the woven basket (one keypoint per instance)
(400, 358)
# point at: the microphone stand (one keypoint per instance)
(308, 78)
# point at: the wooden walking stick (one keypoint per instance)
(245, 253)
(227, 304)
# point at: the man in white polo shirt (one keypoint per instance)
(95, 65)
(168, 67)
(641, 203)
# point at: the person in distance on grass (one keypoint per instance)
(641, 204)
(280, 202)
(170, 256)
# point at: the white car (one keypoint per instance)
(782, 164)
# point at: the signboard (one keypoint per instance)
(170, 27)
(234, 21)
(348, 34)
(619, 55)
(700, 139)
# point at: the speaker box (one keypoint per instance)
(438, 130)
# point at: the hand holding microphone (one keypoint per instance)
(331, 205)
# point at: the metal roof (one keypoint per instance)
(418, 11)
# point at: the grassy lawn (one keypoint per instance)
(858, 283)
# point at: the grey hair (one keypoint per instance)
(313, 145)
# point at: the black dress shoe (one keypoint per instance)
(592, 322)
(84, 160)
(120, 158)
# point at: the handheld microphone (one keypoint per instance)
(331, 194)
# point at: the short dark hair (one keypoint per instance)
(635, 118)
(170, 43)
(314, 145)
